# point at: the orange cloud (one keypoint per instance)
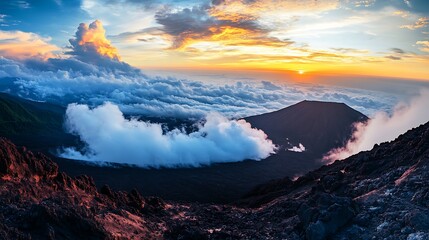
(421, 23)
(266, 7)
(24, 45)
(424, 45)
(206, 24)
(91, 42)
(234, 22)
(233, 36)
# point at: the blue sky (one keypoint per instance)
(49, 18)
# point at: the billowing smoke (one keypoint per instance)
(384, 127)
(90, 43)
(112, 138)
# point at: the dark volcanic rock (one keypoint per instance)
(379, 194)
(38, 202)
(325, 220)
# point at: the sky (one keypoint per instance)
(388, 38)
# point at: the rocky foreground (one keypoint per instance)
(380, 194)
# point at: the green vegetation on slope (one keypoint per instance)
(34, 124)
(17, 116)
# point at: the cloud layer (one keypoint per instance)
(112, 138)
(67, 81)
(384, 127)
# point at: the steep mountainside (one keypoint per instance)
(33, 124)
(379, 194)
(319, 126)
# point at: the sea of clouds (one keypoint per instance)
(99, 89)
(67, 81)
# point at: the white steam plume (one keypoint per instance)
(383, 128)
(299, 149)
(112, 138)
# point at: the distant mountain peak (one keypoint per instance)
(319, 126)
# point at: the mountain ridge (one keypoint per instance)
(378, 194)
(23, 121)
